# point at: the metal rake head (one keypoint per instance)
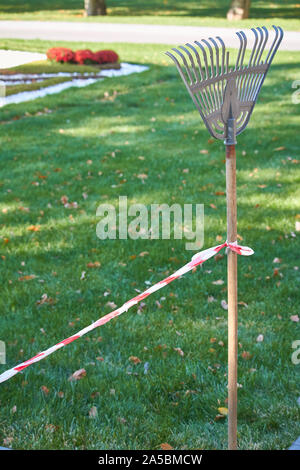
(225, 96)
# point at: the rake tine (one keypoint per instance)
(237, 66)
(175, 61)
(204, 98)
(223, 60)
(179, 68)
(256, 78)
(244, 48)
(184, 63)
(255, 62)
(211, 55)
(254, 46)
(241, 78)
(247, 81)
(197, 77)
(217, 73)
(223, 53)
(270, 56)
(227, 62)
(217, 56)
(240, 49)
(272, 52)
(264, 29)
(198, 59)
(206, 71)
(212, 67)
(178, 65)
(204, 57)
(253, 53)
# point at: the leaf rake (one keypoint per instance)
(225, 97)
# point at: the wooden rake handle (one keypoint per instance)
(232, 296)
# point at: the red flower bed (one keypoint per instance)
(61, 54)
(85, 56)
(106, 57)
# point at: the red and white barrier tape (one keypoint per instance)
(197, 259)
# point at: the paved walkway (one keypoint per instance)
(13, 58)
(134, 33)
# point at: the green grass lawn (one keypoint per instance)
(286, 13)
(95, 142)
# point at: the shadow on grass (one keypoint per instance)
(206, 8)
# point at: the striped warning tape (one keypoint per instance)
(197, 259)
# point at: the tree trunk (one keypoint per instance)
(95, 7)
(239, 10)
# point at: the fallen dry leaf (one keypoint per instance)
(27, 278)
(111, 305)
(294, 318)
(223, 410)
(218, 417)
(45, 390)
(93, 412)
(219, 282)
(179, 351)
(96, 264)
(135, 359)
(51, 427)
(77, 375)
(246, 355)
(34, 228)
(142, 176)
(71, 205)
(165, 446)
